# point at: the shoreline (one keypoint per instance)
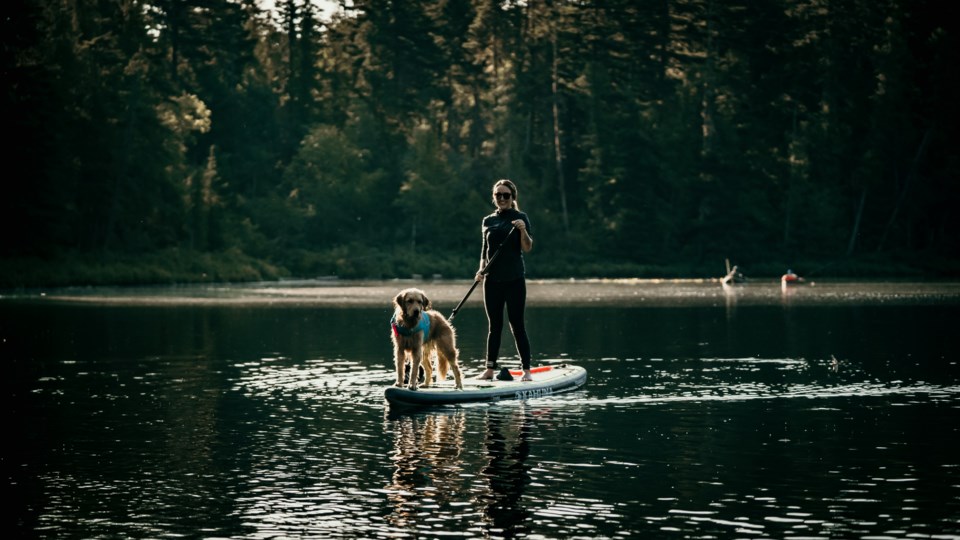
(444, 294)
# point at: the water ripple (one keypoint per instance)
(313, 380)
(276, 447)
(747, 392)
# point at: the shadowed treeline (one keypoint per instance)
(159, 141)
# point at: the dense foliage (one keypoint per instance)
(641, 134)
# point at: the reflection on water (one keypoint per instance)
(507, 441)
(781, 420)
(740, 379)
(428, 471)
(430, 457)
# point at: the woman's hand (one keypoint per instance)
(478, 277)
(526, 243)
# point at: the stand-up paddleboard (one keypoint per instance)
(547, 381)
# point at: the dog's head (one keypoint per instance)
(411, 303)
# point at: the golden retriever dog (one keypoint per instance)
(418, 331)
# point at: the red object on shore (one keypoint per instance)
(790, 277)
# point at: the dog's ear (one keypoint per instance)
(399, 300)
(426, 301)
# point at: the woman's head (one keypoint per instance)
(505, 195)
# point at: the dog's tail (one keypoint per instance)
(443, 365)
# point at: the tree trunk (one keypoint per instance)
(707, 107)
(856, 223)
(558, 153)
(906, 185)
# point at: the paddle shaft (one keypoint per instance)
(483, 272)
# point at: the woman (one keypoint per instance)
(504, 283)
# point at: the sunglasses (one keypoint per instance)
(505, 195)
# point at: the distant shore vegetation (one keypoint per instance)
(176, 266)
(217, 141)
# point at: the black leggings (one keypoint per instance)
(514, 295)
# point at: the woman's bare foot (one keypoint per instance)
(486, 375)
(527, 376)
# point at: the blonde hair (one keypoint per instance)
(513, 189)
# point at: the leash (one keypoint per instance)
(483, 272)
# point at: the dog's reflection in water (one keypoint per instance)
(427, 465)
(444, 471)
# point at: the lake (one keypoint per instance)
(829, 410)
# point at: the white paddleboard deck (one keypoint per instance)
(547, 381)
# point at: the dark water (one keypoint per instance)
(768, 420)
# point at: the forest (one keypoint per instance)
(178, 141)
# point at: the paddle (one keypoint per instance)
(483, 272)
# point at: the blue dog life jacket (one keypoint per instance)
(424, 325)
